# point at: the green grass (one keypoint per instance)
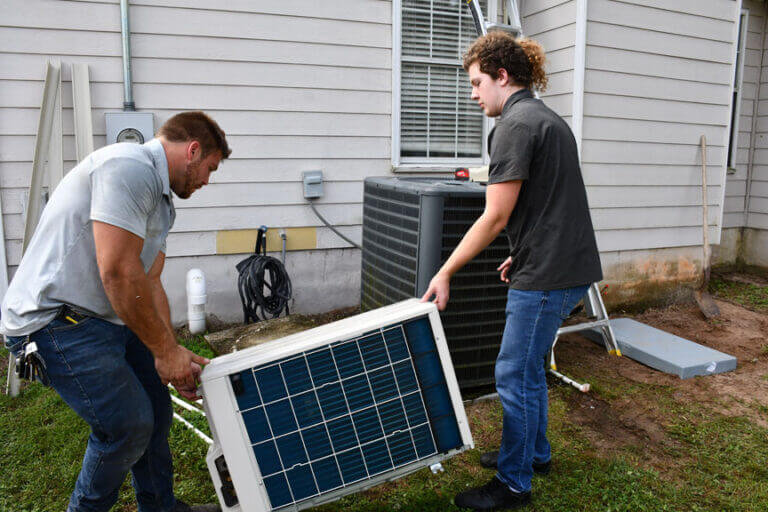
(43, 445)
(751, 296)
(199, 346)
(710, 462)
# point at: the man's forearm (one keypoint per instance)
(160, 300)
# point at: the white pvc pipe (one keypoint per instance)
(196, 299)
(581, 387)
(185, 405)
(193, 429)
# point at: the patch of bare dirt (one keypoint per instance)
(739, 332)
(618, 423)
(611, 428)
(248, 335)
(746, 279)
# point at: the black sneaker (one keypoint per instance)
(489, 460)
(183, 507)
(495, 495)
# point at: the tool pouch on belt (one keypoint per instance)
(30, 364)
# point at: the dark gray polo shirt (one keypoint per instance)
(126, 185)
(550, 230)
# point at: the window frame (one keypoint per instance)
(425, 164)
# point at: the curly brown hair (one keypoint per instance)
(523, 58)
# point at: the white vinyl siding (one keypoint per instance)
(296, 85)
(757, 206)
(658, 76)
(553, 24)
(736, 184)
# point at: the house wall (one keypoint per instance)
(296, 86)
(755, 244)
(303, 85)
(657, 78)
(735, 198)
(746, 208)
(553, 24)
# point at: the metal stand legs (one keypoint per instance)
(594, 307)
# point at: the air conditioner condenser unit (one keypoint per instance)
(311, 417)
(410, 228)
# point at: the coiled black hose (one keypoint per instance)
(264, 286)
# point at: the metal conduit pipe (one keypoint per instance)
(128, 104)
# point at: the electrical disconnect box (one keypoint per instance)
(136, 127)
(313, 184)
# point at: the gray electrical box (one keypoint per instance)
(313, 184)
(136, 127)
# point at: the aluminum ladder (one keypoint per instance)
(594, 307)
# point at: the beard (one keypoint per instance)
(188, 187)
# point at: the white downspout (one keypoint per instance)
(753, 132)
(579, 64)
(396, 82)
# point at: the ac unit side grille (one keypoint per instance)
(393, 234)
(380, 280)
(374, 299)
(382, 288)
(475, 316)
(321, 420)
(392, 212)
(402, 254)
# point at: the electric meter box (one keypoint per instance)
(136, 127)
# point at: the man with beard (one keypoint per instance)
(88, 294)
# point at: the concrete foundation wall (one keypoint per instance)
(743, 245)
(730, 247)
(640, 278)
(330, 279)
(756, 247)
(322, 281)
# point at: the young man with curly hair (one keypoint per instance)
(536, 192)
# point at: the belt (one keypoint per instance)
(67, 314)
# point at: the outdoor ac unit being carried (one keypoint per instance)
(309, 418)
(410, 227)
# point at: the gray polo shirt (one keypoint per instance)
(126, 185)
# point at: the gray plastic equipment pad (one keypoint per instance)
(666, 352)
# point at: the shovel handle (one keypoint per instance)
(704, 209)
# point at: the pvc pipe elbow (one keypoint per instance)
(196, 299)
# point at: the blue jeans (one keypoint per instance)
(533, 318)
(107, 375)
